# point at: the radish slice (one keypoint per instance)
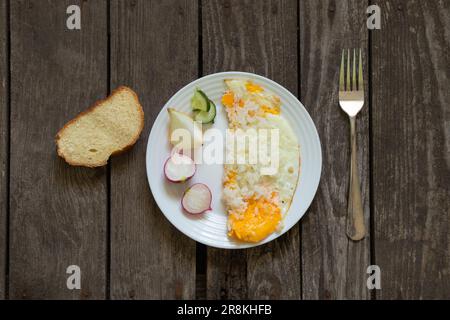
(197, 199)
(179, 168)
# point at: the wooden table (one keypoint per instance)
(106, 221)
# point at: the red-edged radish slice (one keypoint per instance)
(179, 168)
(197, 199)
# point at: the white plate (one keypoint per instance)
(211, 227)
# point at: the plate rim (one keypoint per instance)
(242, 245)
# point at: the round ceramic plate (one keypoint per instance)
(211, 228)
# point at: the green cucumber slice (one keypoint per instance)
(206, 116)
(200, 101)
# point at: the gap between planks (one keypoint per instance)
(201, 250)
(8, 138)
(108, 169)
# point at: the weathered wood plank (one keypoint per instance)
(259, 37)
(58, 212)
(333, 267)
(411, 141)
(4, 128)
(154, 48)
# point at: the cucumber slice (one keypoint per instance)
(206, 116)
(200, 101)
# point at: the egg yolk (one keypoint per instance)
(260, 219)
(274, 110)
(253, 88)
(228, 99)
(230, 179)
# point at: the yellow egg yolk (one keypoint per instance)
(228, 99)
(230, 180)
(253, 88)
(274, 110)
(260, 219)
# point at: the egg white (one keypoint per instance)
(250, 181)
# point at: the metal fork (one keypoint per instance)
(351, 100)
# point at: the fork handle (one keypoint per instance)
(356, 229)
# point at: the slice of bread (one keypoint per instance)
(109, 127)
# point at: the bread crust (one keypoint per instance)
(89, 110)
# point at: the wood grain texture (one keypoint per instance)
(411, 149)
(58, 212)
(333, 267)
(154, 51)
(260, 37)
(4, 135)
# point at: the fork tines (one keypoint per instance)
(347, 83)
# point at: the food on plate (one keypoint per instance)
(204, 109)
(179, 168)
(184, 132)
(197, 199)
(206, 116)
(109, 127)
(199, 101)
(256, 202)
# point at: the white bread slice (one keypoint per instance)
(109, 127)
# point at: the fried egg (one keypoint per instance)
(257, 201)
